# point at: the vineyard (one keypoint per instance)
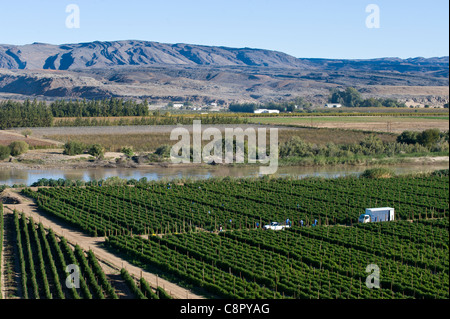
(46, 264)
(174, 227)
(237, 204)
(308, 262)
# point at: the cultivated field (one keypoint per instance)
(175, 229)
(390, 124)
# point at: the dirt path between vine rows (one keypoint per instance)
(75, 237)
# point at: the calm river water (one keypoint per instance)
(28, 177)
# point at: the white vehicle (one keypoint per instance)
(276, 226)
(382, 214)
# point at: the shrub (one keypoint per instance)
(408, 137)
(379, 172)
(429, 138)
(74, 148)
(442, 172)
(96, 150)
(18, 147)
(128, 151)
(27, 132)
(163, 150)
(5, 152)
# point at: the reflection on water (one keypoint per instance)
(28, 177)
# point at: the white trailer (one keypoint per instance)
(276, 226)
(381, 214)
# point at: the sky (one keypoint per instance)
(304, 29)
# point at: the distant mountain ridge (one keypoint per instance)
(161, 72)
(128, 53)
(109, 54)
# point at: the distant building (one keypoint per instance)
(258, 111)
(214, 104)
(332, 105)
(178, 105)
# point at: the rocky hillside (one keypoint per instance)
(145, 53)
(178, 72)
(119, 53)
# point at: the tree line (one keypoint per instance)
(350, 97)
(24, 114)
(99, 108)
(287, 106)
(93, 113)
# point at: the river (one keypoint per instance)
(11, 176)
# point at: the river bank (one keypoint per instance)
(55, 159)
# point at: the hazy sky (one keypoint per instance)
(313, 29)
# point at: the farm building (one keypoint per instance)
(332, 105)
(258, 111)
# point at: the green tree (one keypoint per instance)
(163, 151)
(429, 138)
(5, 152)
(408, 137)
(96, 150)
(18, 147)
(128, 151)
(74, 148)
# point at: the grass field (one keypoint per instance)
(395, 124)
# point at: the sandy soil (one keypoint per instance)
(94, 243)
(6, 137)
(54, 158)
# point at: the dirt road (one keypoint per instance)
(29, 208)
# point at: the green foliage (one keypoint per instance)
(298, 103)
(27, 132)
(96, 150)
(132, 284)
(350, 97)
(370, 145)
(432, 139)
(74, 148)
(43, 260)
(379, 172)
(429, 137)
(127, 150)
(5, 152)
(18, 148)
(442, 172)
(98, 108)
(147, 290)
(408, 137)
(24, 114)
(168, 208)
(163, 151)
(162, 293)
(302, 262)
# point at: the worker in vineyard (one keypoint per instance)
(301, 223)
